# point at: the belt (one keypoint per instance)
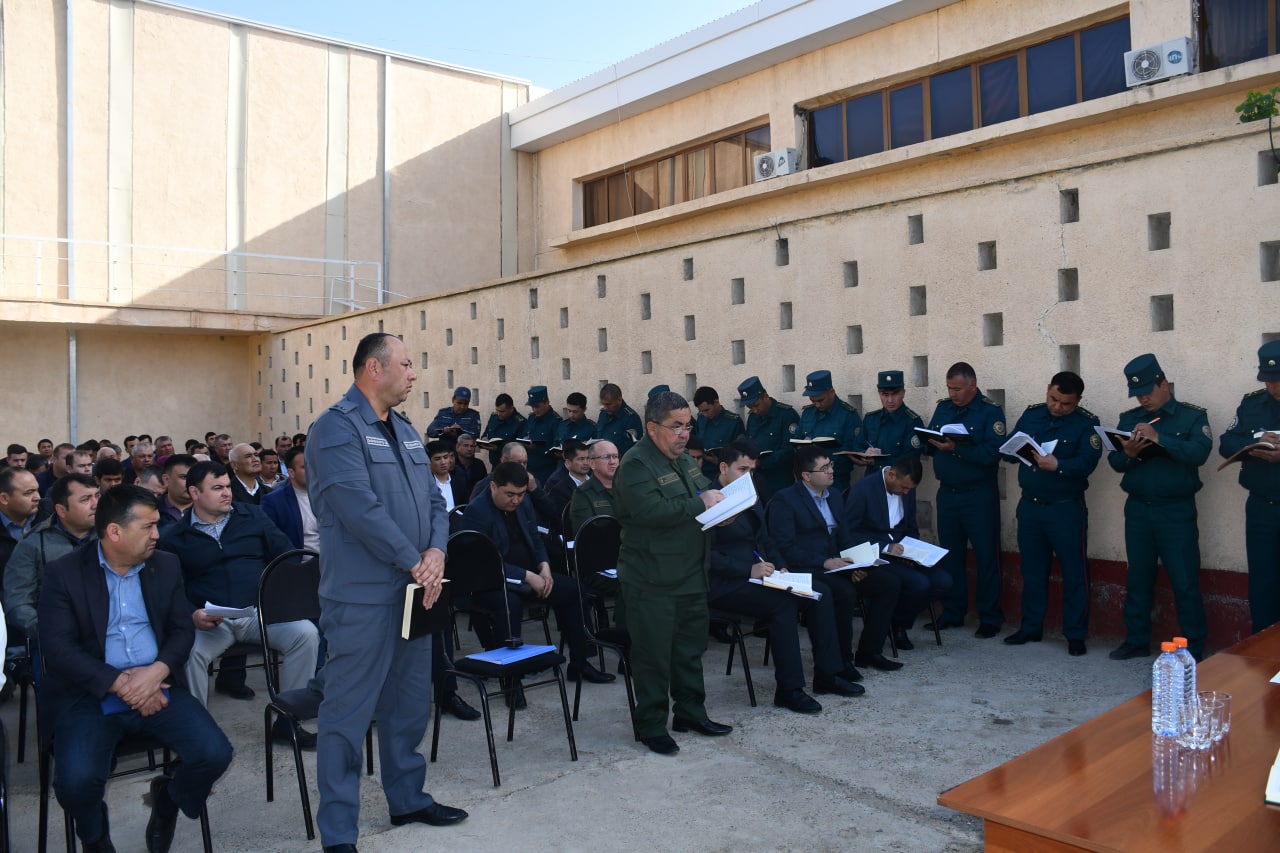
(1047, 502)
(960, 490)
(1166, 501)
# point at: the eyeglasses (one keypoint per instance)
(607, 457)
(825, 469)
(678, 429)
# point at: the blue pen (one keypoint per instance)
(758, 557)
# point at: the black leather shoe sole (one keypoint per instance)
(702, 727)
(662, 744)
(1126, 652)
(798, 701)
(593, 675)
(839, 686)
(986, 632)
(881, 663)
(433, 815)
(1018, 638)
(340, 848)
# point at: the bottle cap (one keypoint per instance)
(1167, 647)
(1180, 642)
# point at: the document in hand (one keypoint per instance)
(1113, 439)
(1240, 454)
(738, 495)
(959, 433)
(229, 612)
(1022, 445)
(414, 619)
(924, 553)
(503, 655)
(864, 556)
(796, 583)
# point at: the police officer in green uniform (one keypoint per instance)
(1052, 516)
(772, 424)
(662, 568)
(827, 416)
(716, 426)
(540, 431)
(969, 498)
(1258, 419)
(618, 422)
(504, 425)
(1170, 441)
(577, 424)
(891, 428)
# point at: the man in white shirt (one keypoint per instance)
(452, 484)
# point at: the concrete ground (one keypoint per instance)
(864, 774)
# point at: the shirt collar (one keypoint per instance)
(102, 561)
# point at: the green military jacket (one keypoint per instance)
(589, 500)
(663, 546)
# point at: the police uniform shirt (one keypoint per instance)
(892, 432)
(1077, 451)
(1258, 412)
(583, 430)
(841, 422)
(468, 422)
(498, 429)
(1184, 434)
(969, 464)
(542, 432)
(773, 432)
(623, 428)
(716, 434)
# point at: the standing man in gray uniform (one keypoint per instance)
(382, 524)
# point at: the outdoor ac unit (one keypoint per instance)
(780, 162)
(1157, 62)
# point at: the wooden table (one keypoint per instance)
(1092, 788)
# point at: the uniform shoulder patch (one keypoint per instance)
(1095, 442)
(1208, 433)
(1088, 414)
(1193, 406)
(792, 428)
(627, 410)
(782, 405)
(1255, 393)
(807, 408)
(998, 427)
(909, 412)
(1036, 406)
(915, 441)
(519, 418)
(846, 405)
(989, 401)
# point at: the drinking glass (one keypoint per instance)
(1224, 725)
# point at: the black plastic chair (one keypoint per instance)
(288, 592)
(474, 565)
(595, 549)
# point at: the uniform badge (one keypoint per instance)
(998, 427)
(1133, 380)
(857, 431)
(792, 428)
(1207, 432)
(915, 442)
(1095, 442)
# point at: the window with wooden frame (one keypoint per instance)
(1235, 31)
(1068, 69)
(695, 172)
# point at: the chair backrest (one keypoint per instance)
(473, 564)
(597, 544)
(455, 517)
(288, 591)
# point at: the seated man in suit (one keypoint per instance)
(449, 479)
(574, 471)
(289, 506)
(805, 522)
(502, 514)
(737, 549)
(881, 508)
(116, 629)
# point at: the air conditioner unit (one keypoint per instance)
(1157, 62)
(780, 162)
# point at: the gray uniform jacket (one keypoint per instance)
(376, 506)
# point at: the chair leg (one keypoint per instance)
(577, 692)
(746, 665)
(435, 734)
(488, 732)
(893, 644)
(368, 750)
(205, 836)
(933, 614)
(737, 635)
(43, 842)
(768, 645)
(631, 697)
(564, 704)
(268, 752)
(303, 793)
(22, 721)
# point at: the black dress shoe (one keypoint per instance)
(1020, 637)
(702, 727)
(103, 844)
(590, 673)
(164, 817)
(881, 663)
(849, 673)
(944, 624)
(280, 734)
(902, 641)
(433, 815)
(340, 848)
(1076, 648)
(662, 744)
(457, 707)
(839, 685)
(235, 691)
(986, 632)
(1127, 651)
(796, 700)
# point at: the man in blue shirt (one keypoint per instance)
(716, 427)
(455, 419)
(539, 432)
(618, 422)
(891, 428)
(827, 416)
(504, 425)
(576, 423)
(772, 424)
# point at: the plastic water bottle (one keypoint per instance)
(1190, 698)
(1167, 677)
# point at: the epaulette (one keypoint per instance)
(1134, 409)
(991, 402)
(807, 408)
(910, 413)
(1255, 393)
(783, 405)
(519, 417)
(944, 399)
(344, 405)
(627, 409)
(846, 404)
(1037, 406)
(1088, 414)
(1193, 406)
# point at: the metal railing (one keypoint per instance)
(93, 271)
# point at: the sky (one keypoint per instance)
(547, 42)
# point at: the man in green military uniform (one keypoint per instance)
(891, 428)
(1258, 420)
(772, 424)
(827, 416)
(1170, 441)
(539, 431)
(504, 425)
(596, 496)
(662, 568)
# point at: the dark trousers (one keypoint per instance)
(668, 637)
(84, 741)
(1045, 530)
(1262, 545)
(564, 601)
(1166, 533)
(966, 518)
(919, 586)
(879, 593)
(781, 612)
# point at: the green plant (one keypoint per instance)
(1259, 105)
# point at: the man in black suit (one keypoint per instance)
(508, 520)
(881, 508)
(741, 551)
(116, 628)
(449, 479)
(574, 471)
(805, 522)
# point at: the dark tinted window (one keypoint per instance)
(1234, 31)
(906, 116)
(1051, 75)
(1100, 73)
(828, 135)
(866, 125)
(951, 102)
(998, 89)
